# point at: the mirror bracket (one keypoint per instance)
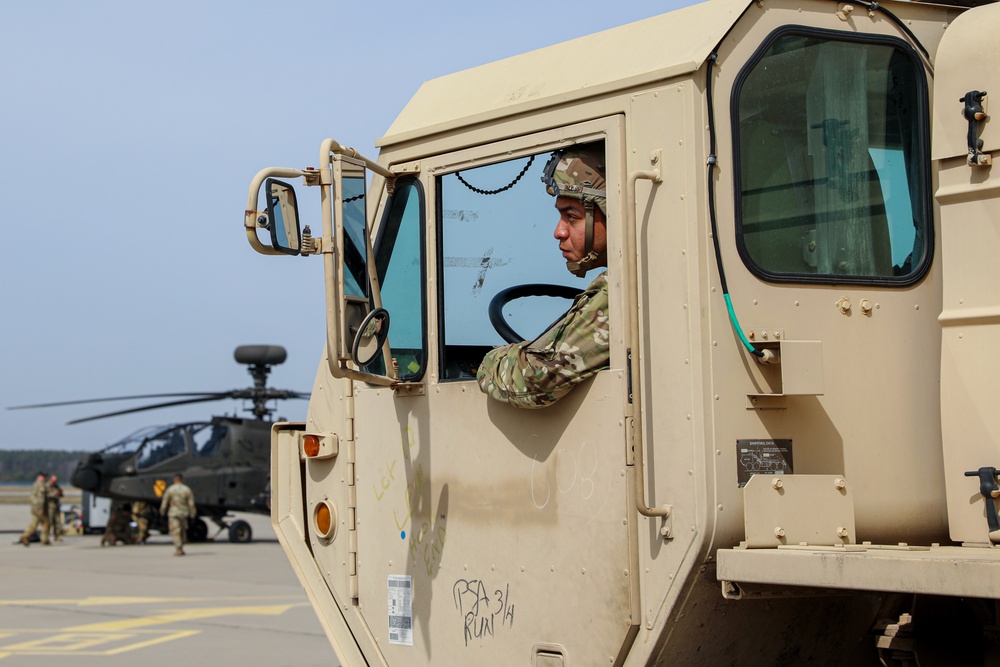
(312, 176)
(408, 389)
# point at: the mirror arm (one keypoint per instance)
(251, 214)
(331, 146)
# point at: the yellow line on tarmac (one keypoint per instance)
(180, 616)
(180, 634)
(95, 601)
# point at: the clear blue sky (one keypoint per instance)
(131, 131)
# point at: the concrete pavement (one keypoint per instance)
(77, 604)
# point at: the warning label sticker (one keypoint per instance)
(762, 457)
(401, 609)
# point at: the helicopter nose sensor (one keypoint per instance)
(86, 478)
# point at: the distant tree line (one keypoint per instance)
(23, 465)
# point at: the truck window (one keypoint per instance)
(833, 183)
(400, 260)
(355, 280)
(496, 223)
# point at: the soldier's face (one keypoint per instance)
(571, 229)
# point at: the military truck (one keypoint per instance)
(791, 458)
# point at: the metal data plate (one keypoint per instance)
(798, 509)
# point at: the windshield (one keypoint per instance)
(161, 447)
(131, 443)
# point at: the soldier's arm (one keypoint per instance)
(537, 374)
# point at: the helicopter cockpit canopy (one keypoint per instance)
(155, 444)
(131, 443)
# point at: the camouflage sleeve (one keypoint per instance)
(536, 374)
(165, 503)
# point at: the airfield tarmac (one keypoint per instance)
(77, 604)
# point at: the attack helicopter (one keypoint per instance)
(225, 461)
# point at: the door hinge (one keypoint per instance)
(352, 522)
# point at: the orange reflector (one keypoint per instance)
(310, 445)
(323, 519)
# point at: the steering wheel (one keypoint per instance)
(505, 296)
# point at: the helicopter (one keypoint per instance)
(225, 461)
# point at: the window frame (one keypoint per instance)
(607, 128)
(922, 158)
(377, 250)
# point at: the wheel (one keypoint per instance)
(240, 532)
(197, 531)
(505, 296)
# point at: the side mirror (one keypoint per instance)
(283, 217)
(370, 336)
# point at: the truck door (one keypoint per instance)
(496, 520)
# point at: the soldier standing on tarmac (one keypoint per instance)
(53, 503)
(178, 505)
(39, 496)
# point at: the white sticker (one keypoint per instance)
(401, 609)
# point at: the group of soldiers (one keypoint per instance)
(46, 498)
(177, 505)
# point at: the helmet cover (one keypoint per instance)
(578, 172)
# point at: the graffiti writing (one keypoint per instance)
(481, 611)
(426, 544)
(580, 472)
(388, 477)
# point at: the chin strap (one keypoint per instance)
(590, 258)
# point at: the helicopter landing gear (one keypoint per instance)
(197, 531)
(240, 532)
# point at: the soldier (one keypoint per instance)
(119, 528)
(535, 374)
(178, 505)
(53, 503)
(39, 496)
(140, 514)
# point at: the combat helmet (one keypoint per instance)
(578, 172)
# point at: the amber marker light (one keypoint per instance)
(310, 445)
(323, 520)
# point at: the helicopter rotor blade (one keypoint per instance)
(113, 398)
(205, 399)
(267, 394)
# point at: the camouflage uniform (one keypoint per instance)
(140, 514)
(178, 505)
(39, 516)
(537, 374)
(53, 503)
(119, 528)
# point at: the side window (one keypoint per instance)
(831, 136)
(355, 278)
(400, 260)
(207, 438)
(165, 446)
(495, 231)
